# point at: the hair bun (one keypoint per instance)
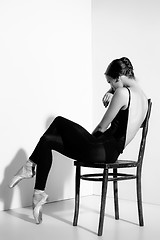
(126, 62)
(119, 67)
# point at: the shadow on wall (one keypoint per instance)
(60, 172)
(7, 194)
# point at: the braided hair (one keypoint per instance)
(119, 67)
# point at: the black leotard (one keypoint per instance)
(119, 126)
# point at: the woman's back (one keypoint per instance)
(137, 112)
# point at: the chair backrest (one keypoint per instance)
(144, 134)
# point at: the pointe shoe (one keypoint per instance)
(39, 199)
(25, 172)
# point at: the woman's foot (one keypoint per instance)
(39, 199)
(25, 172)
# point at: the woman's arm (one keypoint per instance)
(118, 101)
(107, 97)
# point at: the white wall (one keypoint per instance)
(130, 28)
(45, 62)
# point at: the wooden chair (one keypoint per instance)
(113, 176)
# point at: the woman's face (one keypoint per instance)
(115, 83)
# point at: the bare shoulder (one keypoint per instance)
(121, 94)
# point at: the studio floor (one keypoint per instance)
(19, 224)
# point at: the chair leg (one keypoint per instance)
(139, 200)
(77, 197)
(103, 201)
(115, 189)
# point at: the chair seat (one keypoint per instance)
(117, 164)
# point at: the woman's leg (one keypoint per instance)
(71, 140)
(42, 154)
(68, 138)
(40, 160)
(42, 157)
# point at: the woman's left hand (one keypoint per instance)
(107, 98)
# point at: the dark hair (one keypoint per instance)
(119, 67)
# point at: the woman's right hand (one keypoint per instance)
(107, 98)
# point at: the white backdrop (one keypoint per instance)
(45, 71)
(52, 59)
(130, 28)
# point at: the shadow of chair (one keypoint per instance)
(114, 176)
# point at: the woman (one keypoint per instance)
(126, 111)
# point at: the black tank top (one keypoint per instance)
(118, 128)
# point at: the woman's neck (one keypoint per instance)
(128, 82)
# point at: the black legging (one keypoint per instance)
(73, 141)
